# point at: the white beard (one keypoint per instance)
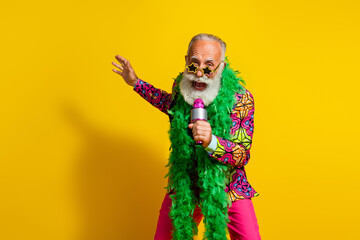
(208, 95)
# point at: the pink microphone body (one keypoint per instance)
(198, 113)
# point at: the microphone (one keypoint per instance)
(198, 113)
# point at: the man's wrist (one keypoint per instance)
(136, 83)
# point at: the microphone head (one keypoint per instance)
(198, 103)
(198, 112)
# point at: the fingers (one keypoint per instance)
(124, 63)
(200, 125)
(200, 129)
(196, 129)
(122, 60)
(201, 137)
(118, 66)
(205, 139)
(118, 72)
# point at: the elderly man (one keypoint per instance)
(207, 179)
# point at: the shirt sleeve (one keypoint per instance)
(157, 97)
(236, 151)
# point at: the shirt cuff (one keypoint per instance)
(137, 82)
(212, 146)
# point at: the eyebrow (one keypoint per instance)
(207, 60)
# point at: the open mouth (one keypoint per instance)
(199, 86)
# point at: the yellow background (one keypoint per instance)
(83, 157)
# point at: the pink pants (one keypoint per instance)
(242, 226)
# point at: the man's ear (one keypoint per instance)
(185, 59)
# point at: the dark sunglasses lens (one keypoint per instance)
(207, 71)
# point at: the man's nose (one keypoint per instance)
(199, 73)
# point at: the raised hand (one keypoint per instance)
(125, 70)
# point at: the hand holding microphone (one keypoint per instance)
(201, 129)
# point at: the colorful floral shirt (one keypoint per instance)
(235, 152)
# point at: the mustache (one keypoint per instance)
(194, 78)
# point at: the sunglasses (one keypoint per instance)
(192, 68)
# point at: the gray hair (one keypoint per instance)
(209, 37)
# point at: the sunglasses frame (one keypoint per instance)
(205, 71)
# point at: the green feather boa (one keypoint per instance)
(195, 177)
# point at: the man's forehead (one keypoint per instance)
(205, 48)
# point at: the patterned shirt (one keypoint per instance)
(235, 152)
